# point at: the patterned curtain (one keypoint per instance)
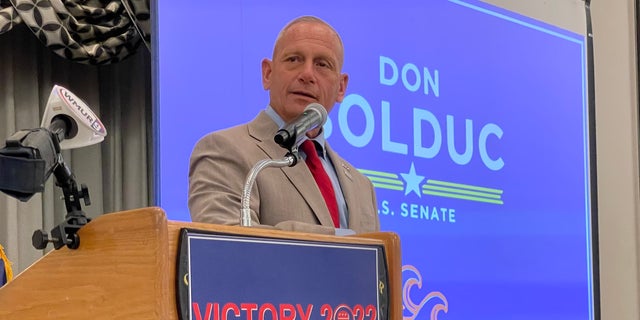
(75, 44)
(86, 31)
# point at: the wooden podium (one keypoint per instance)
(125, 268)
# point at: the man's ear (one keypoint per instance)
(342, 87)
(266, 73)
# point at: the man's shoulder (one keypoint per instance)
(224, 136)
(233, 131)
(229, 143)
(243, 131)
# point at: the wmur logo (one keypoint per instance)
(81, 110)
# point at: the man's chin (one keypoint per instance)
(303, 101)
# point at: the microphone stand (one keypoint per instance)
(66, 232)
(289, 160)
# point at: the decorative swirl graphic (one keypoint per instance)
(414, 308)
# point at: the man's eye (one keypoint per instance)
(293, 59)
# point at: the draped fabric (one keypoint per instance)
(95, 49)
(91, 32)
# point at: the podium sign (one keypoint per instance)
(225, 276)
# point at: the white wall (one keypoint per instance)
(617, 150)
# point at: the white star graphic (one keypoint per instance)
(413, 181)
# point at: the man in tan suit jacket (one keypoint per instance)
(306, 68)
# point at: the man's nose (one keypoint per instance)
(307, 73)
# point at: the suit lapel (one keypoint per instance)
(262, 128)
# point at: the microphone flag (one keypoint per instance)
(6, 274)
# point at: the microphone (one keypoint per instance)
(30, 156)
(313, 116)
(71, 120)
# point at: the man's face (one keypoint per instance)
(306, 66)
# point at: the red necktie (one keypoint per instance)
(322, 179)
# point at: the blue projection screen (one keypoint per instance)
(472, 122)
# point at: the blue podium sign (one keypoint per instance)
(223, 276)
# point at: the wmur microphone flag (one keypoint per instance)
(5, 268)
